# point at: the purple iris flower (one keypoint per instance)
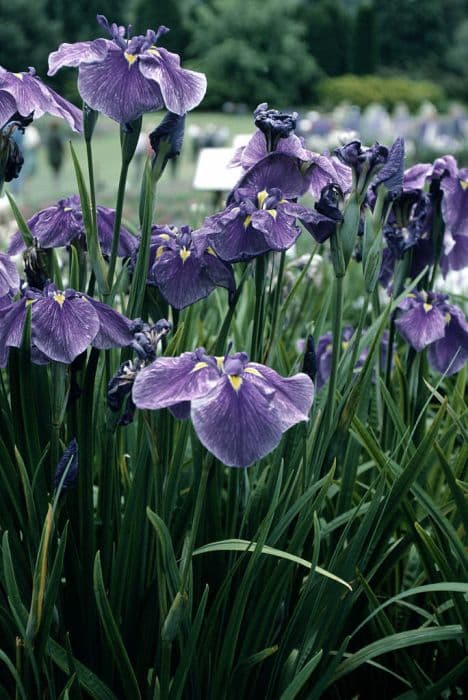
(322, 221)
(9, 277)
(62, 223)
(429, 320)
(128, 76)
(322, 169)
(260, 215)
(239, 409)
(67, 468)
(409, 226)
(26, 94)
(182, 271)
(63, 325)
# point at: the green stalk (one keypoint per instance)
(338, 290)
(196, 520)
(256, 346)
(92, 188)
(276, 300)
(117, 222)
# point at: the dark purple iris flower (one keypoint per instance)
(128, 76)
(183, 271)
(408, 226)
(239, 409)
(63, 325)
(62, 223)
(322, 169)
(364, 162)
(429, 320)
(66, 470)
(322, 221)
(260, 215)
(26, 94)
(445, 177)
(9, 277)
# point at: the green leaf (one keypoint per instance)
(114, 639)
(301, 678)
(235, 545)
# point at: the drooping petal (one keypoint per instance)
(421, 326)
(450, 353)
(455, 203)
(55, 226)
(237, 426)
(236, 239)
(276, 170)
(415, 177)
(182, 89)
(293, 395)
(105, 222)
(7, 106)
(114, 329)
(73, 55)
(63, 327)
(9, 277)
(118, 88)
(171, 380)
(12, 318)
(181, 281)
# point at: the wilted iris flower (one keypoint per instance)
(182, 271)
(24, 93)
(128, 76)
(62, 223)
(9, 277)
(364, 162)
(239, 409)
(260, 215)
(63, 325)
(67, 468)
(429, 320)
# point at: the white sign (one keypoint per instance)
(213, 172)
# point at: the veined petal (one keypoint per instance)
(73, 55)
(234, 241)
(237, 426)
(7, 107)
(278, 228)
(293, 396)
(118, 89)
(62, 329)
(12, 318)
(450, 353)
(181, 281)
(182, 89)
(114, 329)
(421, 326)
(171, 380)
(9, 277)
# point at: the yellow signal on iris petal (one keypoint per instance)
(211, 251)
(59, 297)
(427, 307)
(236, 381)
(247, 221)
(184, 254)
(272, 212)
(261, 197)
(252, 370)
(131, 58)
(153, 51)
(159, 251)
(199, 365)
(464, 184)
(219, 361)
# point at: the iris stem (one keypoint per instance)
(256, 346)
(276, 300)
(117, 222)
(358, 334)
(92, 187)
(338, 292)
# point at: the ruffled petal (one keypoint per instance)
(73, 55)
(277, 227)
(181, 281)
(63, 329)
(276, 170)
(182, 89)
(171, 380)
(234, 242)
(118, 88)
(237, 426)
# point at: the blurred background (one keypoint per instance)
(351, 68)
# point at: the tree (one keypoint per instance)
(252, 55)
(328, 32)
(27, 35)
(364, 49)
(153, 13)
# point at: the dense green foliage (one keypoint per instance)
(362, 90)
